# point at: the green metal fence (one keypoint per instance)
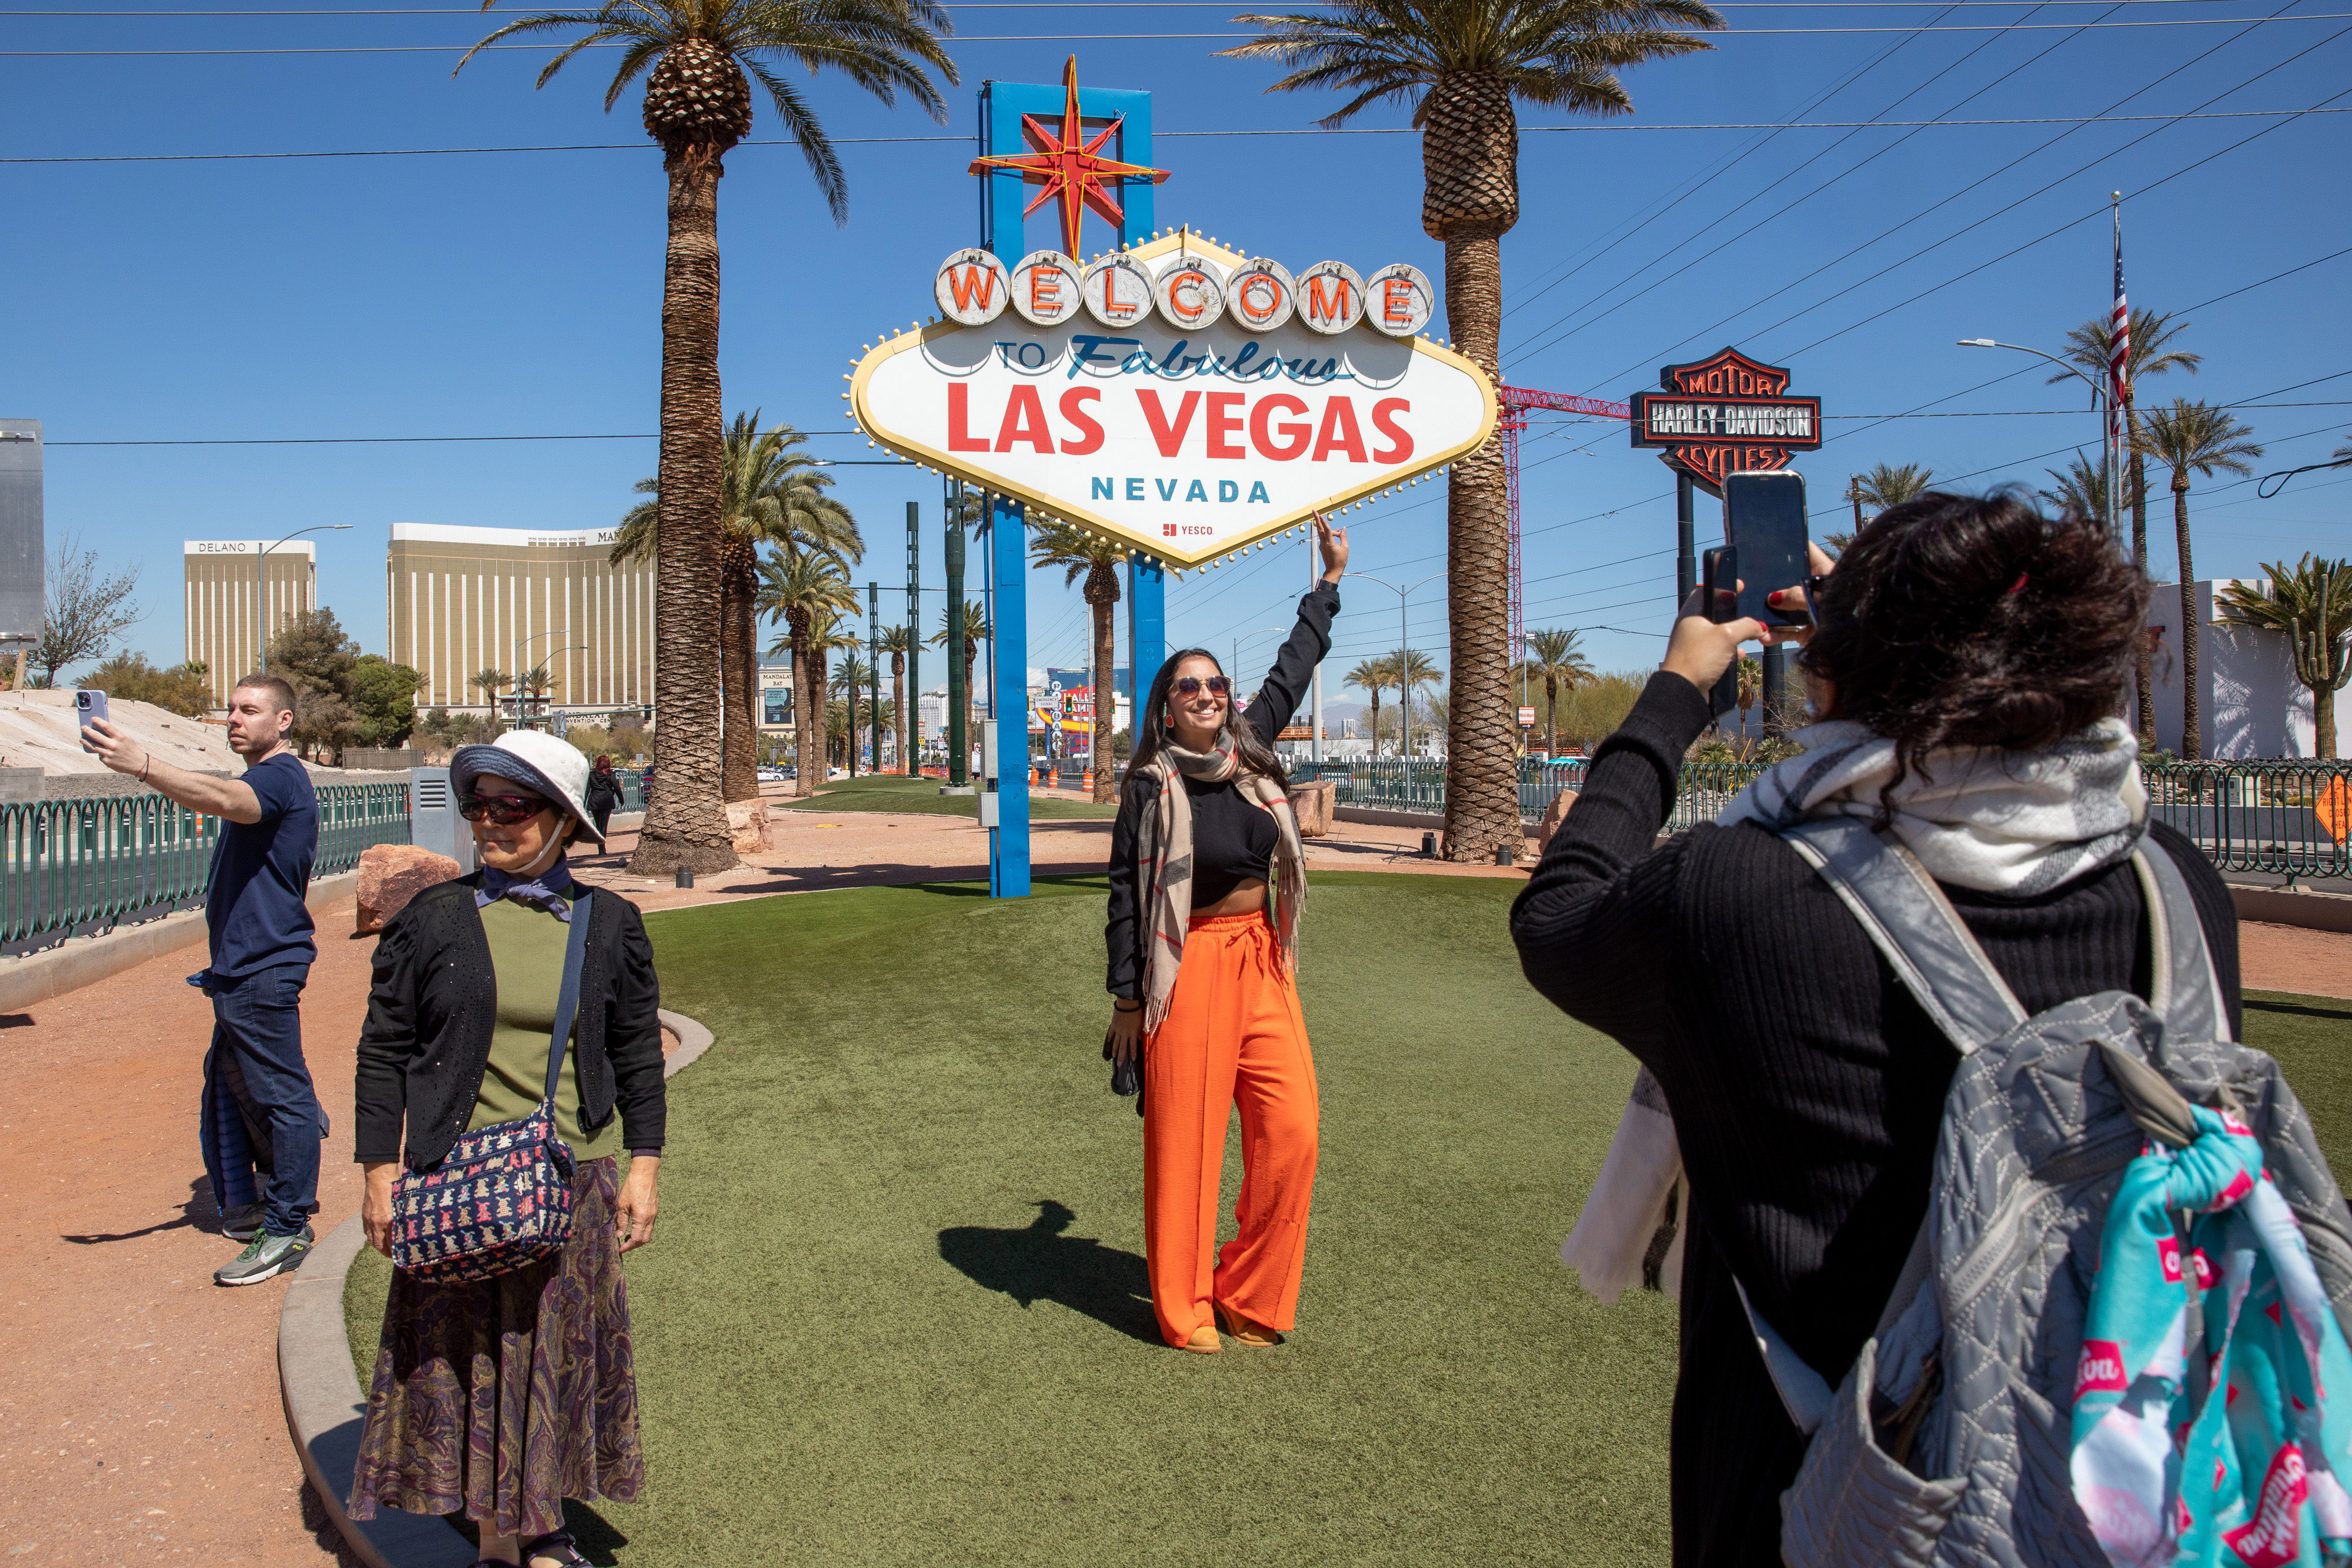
(2269, 817)
(94, 862)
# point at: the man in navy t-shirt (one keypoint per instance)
(260, 1122)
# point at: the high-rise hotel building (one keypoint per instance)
(230, 613)
(464, 600)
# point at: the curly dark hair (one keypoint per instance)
(1977, 621)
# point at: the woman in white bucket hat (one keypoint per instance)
(500, 1398)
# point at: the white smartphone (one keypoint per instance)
(87, 705)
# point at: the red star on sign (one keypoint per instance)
(1071, 169)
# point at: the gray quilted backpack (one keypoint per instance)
(1947, 1442)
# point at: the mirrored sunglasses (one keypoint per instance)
(1190, 686)
(506, 811)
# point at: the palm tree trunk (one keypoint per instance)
(688, 824)
(1106, 706)
(970, 703)
(739, 774)
(1482, 795)
(1551, 716)
(2190, 736)
(898, 710)
(803, 710)
(2145, 661)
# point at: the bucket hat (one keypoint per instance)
(535, 761)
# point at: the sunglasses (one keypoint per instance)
(506, 811)
(1190, 686)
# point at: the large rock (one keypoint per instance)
(391, 875)
(748, 822)
(1314, 800)
(1554, 815)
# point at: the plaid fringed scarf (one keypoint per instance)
(1163, 854)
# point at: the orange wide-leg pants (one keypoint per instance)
(1232, 1035)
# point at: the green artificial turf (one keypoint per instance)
(921, 796)
(894, 1313)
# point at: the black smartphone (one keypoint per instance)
(1719, 577)
(1764, 515)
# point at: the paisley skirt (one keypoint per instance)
(502, 1397)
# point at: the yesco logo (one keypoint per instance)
(2102, 1367)
(2275, 1536)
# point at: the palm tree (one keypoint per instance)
(489, 681)
(1370, 675)
(856, 675)
(2080, 489)
(2200, 436)
(1096, 558)
(1554, 658)
(772, 492)
(1410, 668)
(2311, 601)
(1462, 64)
(796, 589)
(535, 683)
(1748, 689)
(896, 641)
(2151, 354)
(1889, 485)
(976, 629)
(695, 56)
(828, 633)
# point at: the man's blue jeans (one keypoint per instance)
(260, 1116)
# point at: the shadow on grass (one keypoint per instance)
(1038, 1263)
(2340, 1014)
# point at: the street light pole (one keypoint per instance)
(532, 637)
(2111, 465)
(1404, 664)
(262, 586)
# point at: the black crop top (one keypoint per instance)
(1233, 840)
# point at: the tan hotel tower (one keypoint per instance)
(461, 598)
(221, 602)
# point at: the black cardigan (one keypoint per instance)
(1805, 1082)
(1220, 821)
(426, 1040)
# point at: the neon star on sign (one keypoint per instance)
(1182, 398)
(1072, 170)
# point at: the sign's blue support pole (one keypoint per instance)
(1002, 105)
(1008, 842)
(1146, 630)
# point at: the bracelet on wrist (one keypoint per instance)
(1117, 1009)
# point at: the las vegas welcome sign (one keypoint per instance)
(1179, 397)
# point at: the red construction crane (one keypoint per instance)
(1514, 403)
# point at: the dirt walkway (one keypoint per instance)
(141, 1422)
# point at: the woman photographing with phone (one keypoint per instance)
(1207, 878)
(1965, 662)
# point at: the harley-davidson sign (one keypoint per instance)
(1726, 415)
(1184, 398)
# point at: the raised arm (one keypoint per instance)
(214, 797)
(1286, 684)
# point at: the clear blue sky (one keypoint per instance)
(518, 293)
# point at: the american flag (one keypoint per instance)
(2118, 346)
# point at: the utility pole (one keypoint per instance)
(874, 665)
(1685, 537)
(914, 718)
(959, 744)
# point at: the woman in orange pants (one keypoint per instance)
(1200, 973)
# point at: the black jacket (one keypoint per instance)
(426, 1040)
(603, 789)
(1806, 1084)
(1278, 696)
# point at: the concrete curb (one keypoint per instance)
(325, 1408)
(2306, 907)
(85, 960)
(1432, 821)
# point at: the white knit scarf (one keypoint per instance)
(1164, 856)
(2017, 823)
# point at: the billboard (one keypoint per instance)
(22, 544)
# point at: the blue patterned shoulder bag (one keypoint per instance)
(502, 1198)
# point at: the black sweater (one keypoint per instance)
(435, 1000)
(1231, 838)
(1806, 1084)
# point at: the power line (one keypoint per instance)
(1151, 37)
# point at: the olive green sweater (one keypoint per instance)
(527, 960)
